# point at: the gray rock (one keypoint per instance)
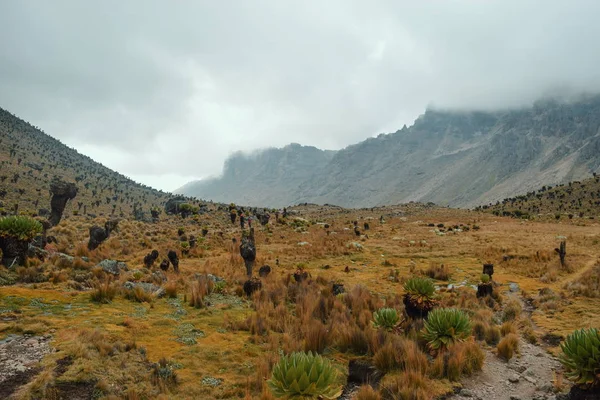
(154, 290)
(513, 287)
(530, 379)
(545, 387)
(466, 393)
(159, 276)
(112, 266)
(514, 378)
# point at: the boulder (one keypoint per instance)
(150, 288)
(112, 266)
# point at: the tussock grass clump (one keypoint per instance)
(527, 331)
(366, 392)
(351, 338)
(508, 346)
(138, 294)
(316, 338)
(400, 354)
(103, 292)
(512, 310)
(171, 289)
(461, 359)
(438, 272)
(479, 330)
(507, 328)
(199, 290)
(163, 375)
(493, 335)
(408, 385)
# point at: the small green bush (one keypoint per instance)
(445, 326)
(304, 375)
(20, 227)
(419, 287)
(581, 356)
(386, 318)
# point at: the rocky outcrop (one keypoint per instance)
(113, 267)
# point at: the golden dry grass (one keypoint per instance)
(238, 339)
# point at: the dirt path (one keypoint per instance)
(19, 357)
(528, 376)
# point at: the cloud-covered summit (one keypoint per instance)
(164, 91)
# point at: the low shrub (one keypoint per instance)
(508, 346)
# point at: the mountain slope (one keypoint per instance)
(268, 177)
(460, 159)
(577, 199)
(29, 159)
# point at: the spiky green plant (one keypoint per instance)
(419, 287)
(302, 376)
(581, 356)
(386, 318)
(485, 278)
(445, 326)
(419, 295)
(20, 227)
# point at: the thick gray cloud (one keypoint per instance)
(164, 91)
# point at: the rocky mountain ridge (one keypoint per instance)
(455, 158)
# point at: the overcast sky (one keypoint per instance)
(164, 91)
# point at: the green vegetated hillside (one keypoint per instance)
(461, 159)
(577, 199)
(29, 159)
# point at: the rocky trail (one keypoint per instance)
(19, 358)
(528, 376)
